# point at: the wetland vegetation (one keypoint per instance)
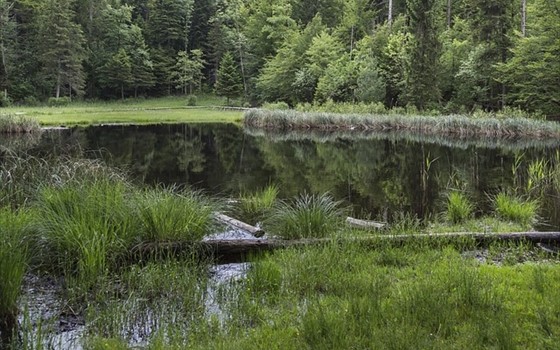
(84, 231)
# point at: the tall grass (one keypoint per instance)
(86, 227)
(166, 214)
(18, 124)
(307, 216)
(13, 265)
(452, 125)
(459, 208)
(509, 207)
(254, 207)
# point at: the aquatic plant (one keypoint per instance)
(254, 207)
(307, 216)
(13, 265)
(85, 227)
(18, 124)
(459, 208)
(169, 214)
(456, 126)
(510, 207)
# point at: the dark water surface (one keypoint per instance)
(378, 176)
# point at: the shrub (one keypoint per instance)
(192, 100)
(276, 106)
(58, 102)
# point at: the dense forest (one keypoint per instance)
(445, 55)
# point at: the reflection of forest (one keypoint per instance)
(378, 177)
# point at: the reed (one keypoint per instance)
(307, 216)
(456, 126)
(18, 124)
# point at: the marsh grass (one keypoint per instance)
(459, 208)
(306, 216)
(174, 215)
(254, 207)
(18, 124)
(457, 126)
(86, 227)
(14, 229)
(514, 208)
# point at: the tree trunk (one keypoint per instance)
(390, 14)
(122, 92)
(524, 17)
(448, 14)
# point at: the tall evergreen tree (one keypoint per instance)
(422, 73)
(118, 72)
(228, 79)
(188, 70)
(60, 48)
(7, 46)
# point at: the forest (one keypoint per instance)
(449, 56)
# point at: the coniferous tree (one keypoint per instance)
(7, 47)
(141, 65)
(118, 72)
(188, 70)
(422, 72)
(60, 47)
(228, 79)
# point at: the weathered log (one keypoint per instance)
(238, 250)
(364, 224)
(255, 231)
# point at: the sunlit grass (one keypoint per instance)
(459, 207)
(139, 111)
(509, 207)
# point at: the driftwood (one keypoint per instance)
(255, 231)
(238, 250)
(364, 224)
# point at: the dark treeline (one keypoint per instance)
(449, 55)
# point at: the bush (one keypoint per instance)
(5, 101)
(276, 106)
(58, 102)
(192, 100)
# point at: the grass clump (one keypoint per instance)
(307, 216)
(459, 208)
(85, 227)
(254, 207)
(13, 265)
(512, 208)
(18, 124)
(168, 215)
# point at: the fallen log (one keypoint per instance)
(364, 224)
(238, 250)
(255, 231)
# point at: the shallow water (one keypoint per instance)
(379, 175)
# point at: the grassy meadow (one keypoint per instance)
(133, 111)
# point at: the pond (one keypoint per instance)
(380, 176)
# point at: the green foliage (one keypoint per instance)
(14, 256)
(58, 101)
(459, 208)
(188, 70)
(228, 79)
(255, 207)
(509, 207)
(307, 216)
(168, 215)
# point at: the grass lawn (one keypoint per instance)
(158, 110)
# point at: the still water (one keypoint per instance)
(379, 176)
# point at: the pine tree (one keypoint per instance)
(188, 70)
(118, 72)
(60, 47)
(228, 79)
(7, 46)
(422, 71)
(142, 67)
